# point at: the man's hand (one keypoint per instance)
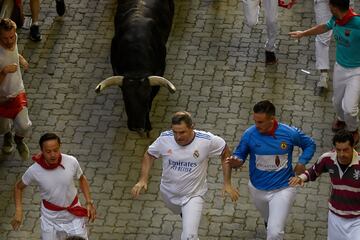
(91, 211)
(299, 168)
(17, 219)
(135, 191)
(233, 192)
(296, 34)
(24, 63)
(234, 162)
(292, 3)
(11, 68)
(296, 181)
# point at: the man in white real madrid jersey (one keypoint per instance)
(185, 152)
(270, 145)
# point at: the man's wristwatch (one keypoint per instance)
(90, 202)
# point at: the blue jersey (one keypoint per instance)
(347, 41)
(270, 164)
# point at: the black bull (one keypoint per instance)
(138, 53)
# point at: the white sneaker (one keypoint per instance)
(324, 78)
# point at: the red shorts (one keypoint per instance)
(13, 106)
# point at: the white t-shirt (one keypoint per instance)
(13, 83)
(185, 167)
(56, 186)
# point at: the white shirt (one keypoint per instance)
(56, 186)
(185, 167)
(13, 83)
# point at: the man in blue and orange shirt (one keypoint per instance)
(269, 145)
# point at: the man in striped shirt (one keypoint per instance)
(343, 166)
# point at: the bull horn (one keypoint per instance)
(114, 80)
(160, 81)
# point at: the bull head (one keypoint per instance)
(138, 95)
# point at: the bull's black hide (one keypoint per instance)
(138, 51)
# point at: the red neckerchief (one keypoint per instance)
(348, 16)
(271, 132)
(78, 211)
(39, 158)
(281, 3)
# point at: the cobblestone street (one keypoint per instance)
(217, 66)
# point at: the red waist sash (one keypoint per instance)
(13, 106)
(75, 210)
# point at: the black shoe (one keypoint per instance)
(35, 33)
(60, 7)
(270, 58)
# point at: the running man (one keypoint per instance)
(343, 166)
(345, 25)
(54, 173)
(270, 145)
(185, 152)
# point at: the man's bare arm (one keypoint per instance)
(146, 165)
(228, 188)
(18, 217)
(85, 188)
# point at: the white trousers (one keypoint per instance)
(346, 84)
(252, 8)
(191, 216)
(274, 206)
(54, 231)
(322, 41)
(343, 228)
(22, 124)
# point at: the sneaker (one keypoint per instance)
(7, 147)
(23, 150)
(270, 58)
(35, 33)
(338, 125)
(323, 82)
(356, 137)
(60, 7)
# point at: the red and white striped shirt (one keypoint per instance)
(344, 200)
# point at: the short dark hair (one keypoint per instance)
(47, 137)
(264, 106)
(343, 136)
(75, 238)
(342, 5)
(180, 117)
(7, 24)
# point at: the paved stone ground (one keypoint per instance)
(217, 65)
